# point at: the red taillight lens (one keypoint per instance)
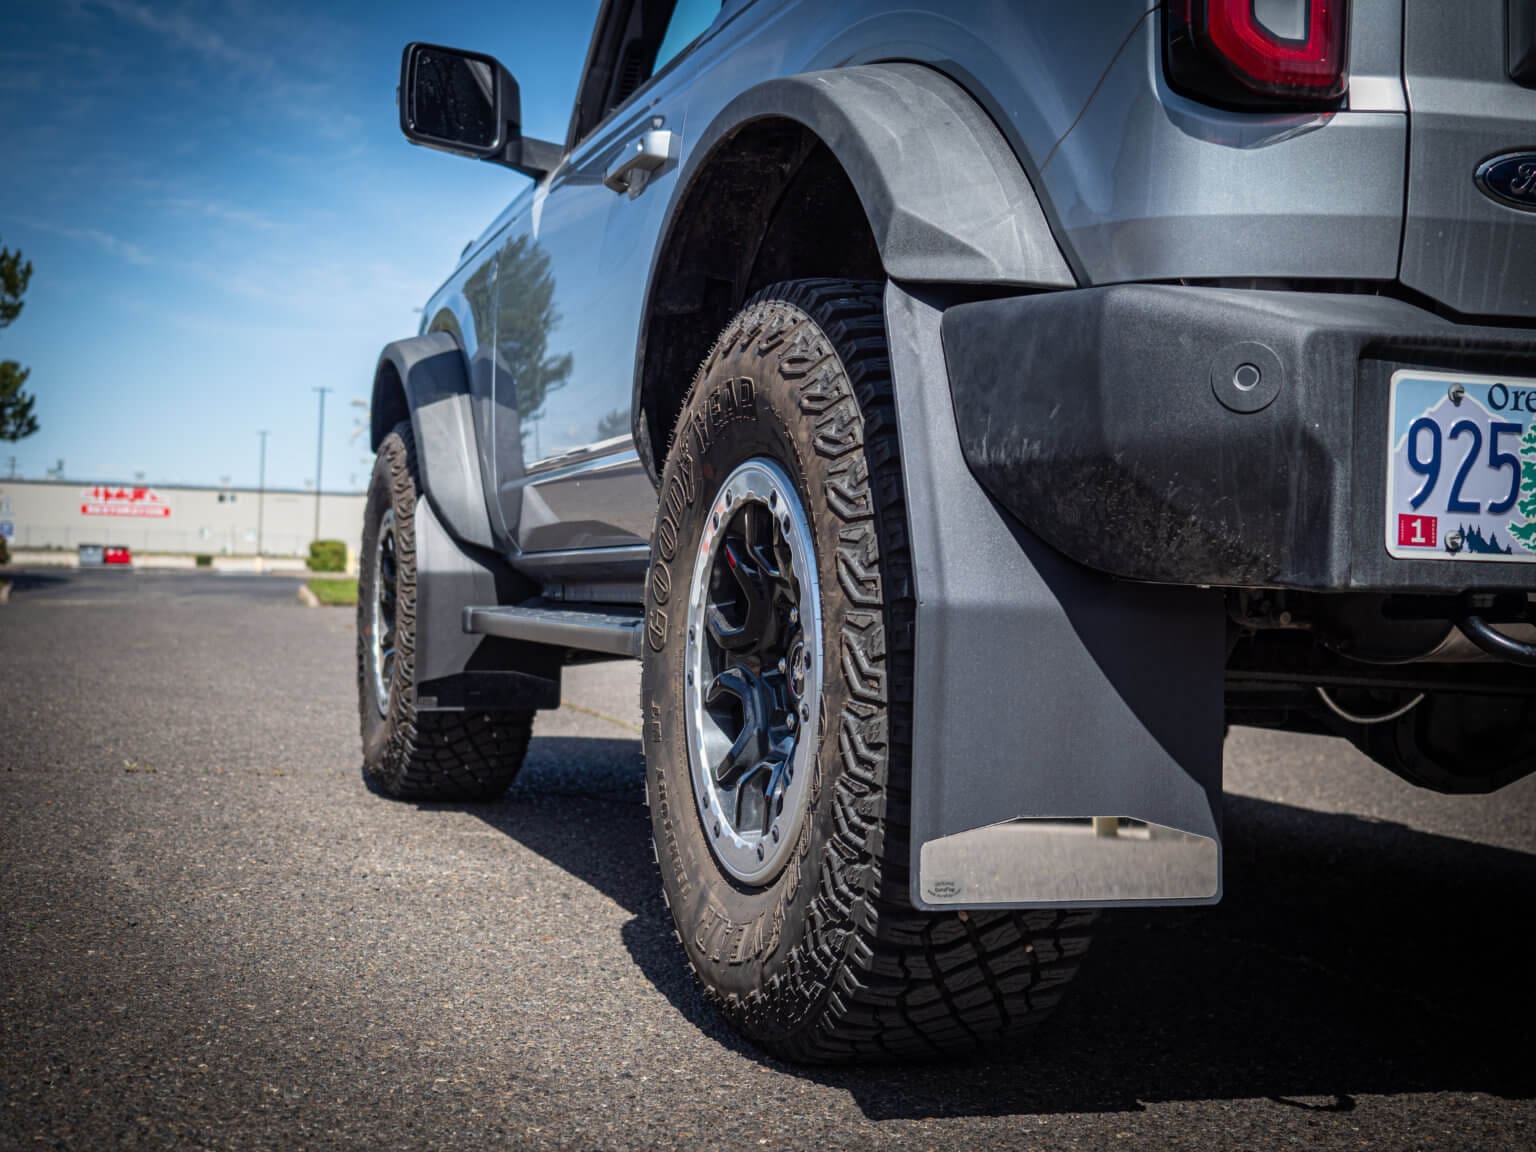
(1259, 53)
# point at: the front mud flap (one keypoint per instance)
(454, 669)
(1067, 727)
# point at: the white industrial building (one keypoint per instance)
(173, 518)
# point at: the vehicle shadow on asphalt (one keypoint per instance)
(1349, 957)
(579, 802)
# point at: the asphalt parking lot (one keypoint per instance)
(213, 935)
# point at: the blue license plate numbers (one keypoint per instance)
(1461, 468)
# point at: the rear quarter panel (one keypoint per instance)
(1032, 65)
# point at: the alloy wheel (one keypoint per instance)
(754, 670)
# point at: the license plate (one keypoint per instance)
(1461, 470)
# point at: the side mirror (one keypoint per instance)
(468, 104)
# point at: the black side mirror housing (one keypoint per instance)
(467, 103)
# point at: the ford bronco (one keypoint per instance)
(966, 412)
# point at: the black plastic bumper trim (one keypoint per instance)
(1105, 420)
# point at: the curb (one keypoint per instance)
(308, 598)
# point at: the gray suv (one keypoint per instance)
(965, 412)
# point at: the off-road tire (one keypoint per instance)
(409, 754)
(827, 961)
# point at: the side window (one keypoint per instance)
(636, 40)
(689, 20)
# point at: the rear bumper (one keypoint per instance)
(1106, 420)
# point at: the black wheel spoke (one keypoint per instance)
(731, 637)
(752, 801)
(751, 742)
(760, 796)
(761, 538)
(752, 605)
(778, 780)
(751, 523)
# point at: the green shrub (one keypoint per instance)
(328, 556)
(204, 560)
(5, 550)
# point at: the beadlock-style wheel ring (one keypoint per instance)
(381, 649)
(753, 671)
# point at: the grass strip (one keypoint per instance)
(334, 592)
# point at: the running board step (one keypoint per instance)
(616, 632)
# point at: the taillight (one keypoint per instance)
(1259, 53)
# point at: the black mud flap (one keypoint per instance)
(1067, 726)
(456, 670)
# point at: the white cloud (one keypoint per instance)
(106, 241)
(183, 30)
(224, 213)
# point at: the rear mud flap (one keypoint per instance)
(1067, 727)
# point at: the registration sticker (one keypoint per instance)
(1461, 467)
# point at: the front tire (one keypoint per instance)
(409, 754)
(817, 954)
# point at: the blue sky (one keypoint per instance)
(222, 216)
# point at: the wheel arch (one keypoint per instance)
(388, 405)
(425, 379)
(907, 178)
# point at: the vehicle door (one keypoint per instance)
(571, 280)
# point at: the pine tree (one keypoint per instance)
(516, 300)
(1525, 534)
(16, 419)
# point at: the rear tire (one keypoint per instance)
(825, 959)
(408, 754)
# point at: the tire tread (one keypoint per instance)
(463, 756)
(874, 978)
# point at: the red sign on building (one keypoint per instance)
(105, 500)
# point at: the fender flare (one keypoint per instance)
(425, 377)
(946, 198)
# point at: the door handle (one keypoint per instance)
(646, 154)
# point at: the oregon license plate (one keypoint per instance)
(1461, 467)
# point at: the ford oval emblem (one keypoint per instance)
(1510, 179)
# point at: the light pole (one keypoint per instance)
(261, 490)
(319, 457)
